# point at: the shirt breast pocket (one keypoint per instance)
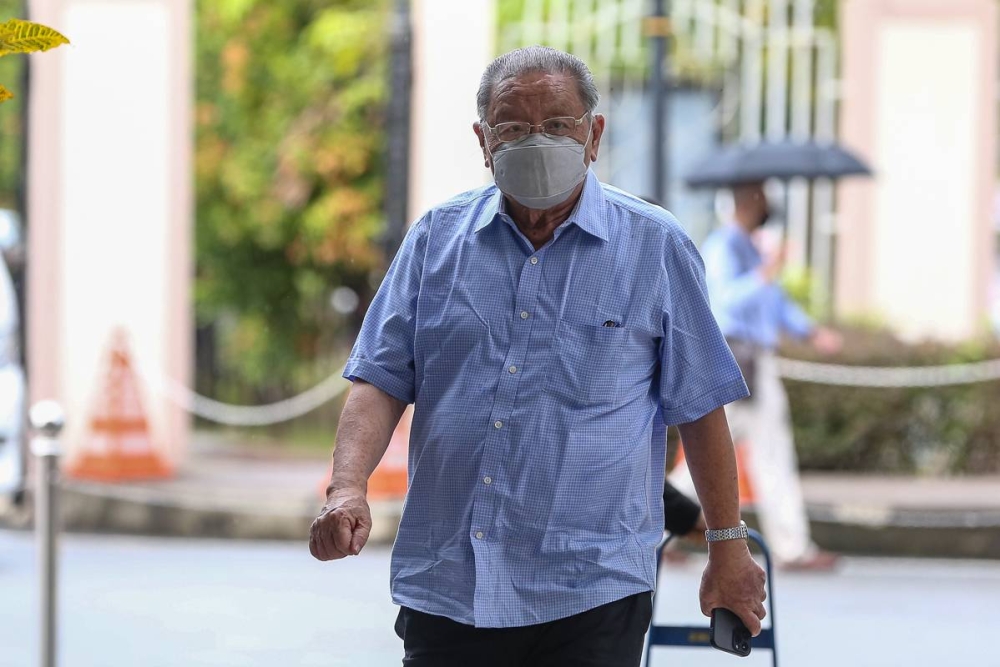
(585, 362)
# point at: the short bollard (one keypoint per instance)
(47, 422)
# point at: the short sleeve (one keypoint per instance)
(697, 370)
(383, 352)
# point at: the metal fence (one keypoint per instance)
(773, 70)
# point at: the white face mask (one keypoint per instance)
(539, 171)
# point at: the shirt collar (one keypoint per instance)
(588, 214)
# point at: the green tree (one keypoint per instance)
(16, 37)
(11, 125)
(289, 184)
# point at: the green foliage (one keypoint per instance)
(798, 283)
(826, 13)
(929, 430)
(509, 12)
(20, 36)
(11, 127)
(289, 144)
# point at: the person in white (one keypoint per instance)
(753, 312)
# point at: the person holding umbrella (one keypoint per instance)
(753, 312)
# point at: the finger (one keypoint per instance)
(315, 543)
(328, 545)
(313, 546)
(342, 533)
(760, 611)
(322, 537)
(750, 620)
(359, 538)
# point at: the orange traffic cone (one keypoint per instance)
(118, 446)
(743, 455)
(388, 481)
(742, 475)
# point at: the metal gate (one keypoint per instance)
(771, 71)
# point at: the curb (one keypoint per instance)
(97, 508)
(964, 533)
(885, 531)
(848, 529)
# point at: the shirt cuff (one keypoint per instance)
(730, 392)
(373, 374)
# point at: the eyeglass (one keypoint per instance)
(561, 126)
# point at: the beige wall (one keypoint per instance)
(919, 93)
(110, 203)
(453, 40)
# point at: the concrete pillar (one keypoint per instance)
(919, 99)
(453, 41)
(110, 204)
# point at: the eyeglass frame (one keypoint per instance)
(577, 122)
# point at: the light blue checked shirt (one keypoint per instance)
(745, 305)
(536, 455)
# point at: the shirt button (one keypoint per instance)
(498, 424)
(524, 314)
(479, 535)
(533, 260)
(512, 370)
(487, 480)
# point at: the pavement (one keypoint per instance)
(227, 491)
(167, 602)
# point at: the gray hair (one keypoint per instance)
(535, 59)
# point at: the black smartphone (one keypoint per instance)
(728, 633)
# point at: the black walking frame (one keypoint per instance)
(698, 636)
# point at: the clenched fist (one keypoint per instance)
(342, 528)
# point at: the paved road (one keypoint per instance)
(149, 602)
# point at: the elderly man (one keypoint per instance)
(545, 329)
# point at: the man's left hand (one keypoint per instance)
(827, 341)
(734, 581)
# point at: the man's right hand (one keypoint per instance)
(773, 264)
(734, 581)
(342, 527)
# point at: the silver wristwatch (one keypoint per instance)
(721, 534)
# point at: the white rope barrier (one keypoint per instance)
(792, 369)
(889, 376)
(253, 415)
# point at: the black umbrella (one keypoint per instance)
(741, 164)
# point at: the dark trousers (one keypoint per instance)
(607, 636)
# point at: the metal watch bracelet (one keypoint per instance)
(721, 534)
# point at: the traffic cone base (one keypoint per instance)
(389, 480)
(119, 467)
(118, 445)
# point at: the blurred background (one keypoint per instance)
(199, 200)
